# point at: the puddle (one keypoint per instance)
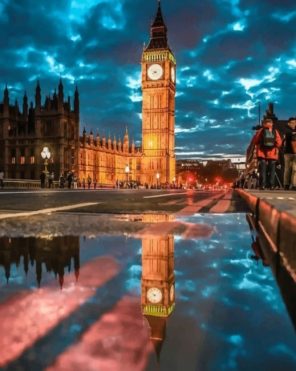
(156, 300)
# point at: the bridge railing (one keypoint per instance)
(25, 183)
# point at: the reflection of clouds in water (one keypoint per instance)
(235, 298)
(282, 349)
(227, 305)
(132, 281)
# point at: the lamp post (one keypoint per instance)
(157, 179)
(45, 154)
(127, 170)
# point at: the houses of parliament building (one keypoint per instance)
(54, 123)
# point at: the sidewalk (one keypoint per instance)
(282, 200)
(274, 215)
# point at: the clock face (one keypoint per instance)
(172, 293)
(155, 72)
(173, 74)
(154, 295)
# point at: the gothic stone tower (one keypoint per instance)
(158, 110)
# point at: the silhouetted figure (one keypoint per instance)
(70, 179)
(42, 179)
(1, 178)
(88, 182)
(62, 181)
(50, 180)
(290, 154)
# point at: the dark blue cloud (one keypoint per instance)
(231, 54)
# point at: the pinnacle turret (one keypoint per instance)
(158, 32)
(38, 95)
(61, 91)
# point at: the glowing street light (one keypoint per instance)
(127, 170)
(157, 179)
(45, 154)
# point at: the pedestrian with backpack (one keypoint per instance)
(267, 141)
(290, 154)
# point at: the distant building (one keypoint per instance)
(195, 165)
(55, 124)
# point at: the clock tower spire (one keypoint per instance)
(158, 109)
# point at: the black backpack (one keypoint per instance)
(268, 138)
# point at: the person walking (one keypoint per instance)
(267, 141)
(1, 178)
(70, 179)
(75, 181)
(290, 155)
(62, 181)
(88, 182)
(50, 179)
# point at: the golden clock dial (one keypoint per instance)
(154, 295)
(155, 72)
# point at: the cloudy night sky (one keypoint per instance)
(230, 54)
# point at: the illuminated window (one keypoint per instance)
(32, 160)
(22, 160)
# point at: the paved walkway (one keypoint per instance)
(275, 218)
(281, 200)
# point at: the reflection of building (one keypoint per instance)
(158, 285)
(55, 254)
(55, 124)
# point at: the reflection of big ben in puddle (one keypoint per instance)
(158, 281)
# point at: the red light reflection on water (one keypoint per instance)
(29, 316)
(118, 341)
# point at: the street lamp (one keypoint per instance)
(45, 154)
(157, 178)
(127, 170)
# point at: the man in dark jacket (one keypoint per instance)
(267, 141)
(290, 154)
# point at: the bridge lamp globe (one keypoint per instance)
(45, 154)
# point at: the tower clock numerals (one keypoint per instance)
(154, 295)
(173, 74)
(155, 72)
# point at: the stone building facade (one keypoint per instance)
(24, 133)
(55, 124)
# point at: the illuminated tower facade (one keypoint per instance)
(158, 109)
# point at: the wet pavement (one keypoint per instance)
(147, 291)
(113, 201)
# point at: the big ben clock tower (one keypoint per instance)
(158, 110)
